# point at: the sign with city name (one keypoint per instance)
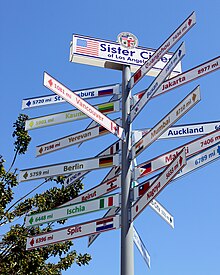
(69, 116)
(195, 162)
(150, 91)
(111, 150)
(164, 48)
(40, 101)
(68, 167)
(181, 109)
(185, 130)
(109, 54)
(141, 247)
(72, 139)
(192, 148)
(73, 232)
(82, 105)
(72, 210)
(105, 187)
(158, 185)
(183, 78)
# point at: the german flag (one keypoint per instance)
(106, 161)
(102, 130)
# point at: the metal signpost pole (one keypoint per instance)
(127, 247)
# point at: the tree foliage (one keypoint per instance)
(14, 258)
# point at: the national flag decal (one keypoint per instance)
(143, 188)
(87, 47)
(102, 130)
(105, 92)
(109, 107)
(106, 162)
(145, 169)
(104, 224)
(139, 146)
(106, 202)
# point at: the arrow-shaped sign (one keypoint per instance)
(73, 232)
(183, 78)
(82, 105)
(165, 47)
(192, 148)
(73, 210)
(184, 106)
(158, 185)
(154, 86)
(68, 167)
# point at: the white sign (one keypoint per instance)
(150, 91)
(73, 232)
(111, 150)
(164, 48)
(84, 93)
(141, 247)
(99, 190)
(72, 210)
(192, 148)
(181, 109)
(198, 161)
(185, 130)
(158, 185)
(164, 214)
(68, 167)
(72, 139)
(109, 54)
(69, 116)
(183, 78)
(82, 105)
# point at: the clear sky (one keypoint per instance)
(35, 37)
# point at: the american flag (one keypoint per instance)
(89, 47)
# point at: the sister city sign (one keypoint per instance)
(109, 54)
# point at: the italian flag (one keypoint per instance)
(106, 202)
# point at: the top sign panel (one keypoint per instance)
(108, 54)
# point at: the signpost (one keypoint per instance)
(40, 101)
(184, 106)
(82, 105)
(125, 172)
(72, 210)
(151, 90)
(73, 232)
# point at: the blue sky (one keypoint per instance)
(35, 37)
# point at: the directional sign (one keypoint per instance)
(164, 214)
(192, 148)
(68, 167)
(184, 106)
(165, 177)
(150, 91)
(99, 190)
(111, 150)
(68, 116)
(109, 54)
(73, 232)
(40, 101)
(183, 78)
(193, 163)
(72, 210)
(141, 247)
(82, 105)
(185, 130)
(164, 48)
(70, 140)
